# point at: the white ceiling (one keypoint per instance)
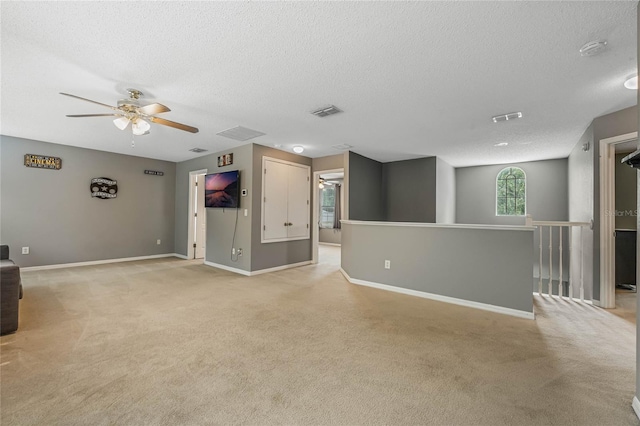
(413, 78)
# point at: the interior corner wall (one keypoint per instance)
(52, 211)
(221, 223)
(365, 188)
(271, 255)
(607, 126)
(580, 182)
(409, 190)
(445, 192)
(546, 192)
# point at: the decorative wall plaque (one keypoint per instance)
(153, 172)
(42, 162)
(225, 160)
(103, 188)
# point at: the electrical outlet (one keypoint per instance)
(158, 242)
(387, 264)
(239, 252)
(246, 212)
(233, 251)
(25, 250)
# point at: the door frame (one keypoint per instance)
(607, 220)
(315, 235)
(190, 250)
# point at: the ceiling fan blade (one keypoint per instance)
(93, 115)
(152, 109)
(89, 100)
(173, 124)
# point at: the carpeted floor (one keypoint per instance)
(175, 342)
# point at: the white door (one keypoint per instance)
(200, 219)
(275, 200)
(298, 202)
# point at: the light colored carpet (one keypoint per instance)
(172, 342)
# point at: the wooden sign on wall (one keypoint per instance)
(225, 160)
(42, 162)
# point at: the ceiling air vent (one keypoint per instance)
(240, 133)
(342, 147)
(198, 150)
(507, 117)
(329, 110)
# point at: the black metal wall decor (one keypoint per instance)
(42, 162)
(103, 188)
(153, 172)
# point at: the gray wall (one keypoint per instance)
(331, 236)
(271, 255)
(638, 251)
(445, 192)
(409, 190)
(580, 174)
(332, 162)
(53, 213)
(607, 126)
(460, 263)
(220, 222)
(626, 199)
(546, 192)
(364, 180)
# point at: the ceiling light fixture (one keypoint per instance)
(328, 110)
(593, 47)
(501, 144)
(140, 127)
(507, 117)
(632, 82)
(298, 149)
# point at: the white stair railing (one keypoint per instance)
(570, 229)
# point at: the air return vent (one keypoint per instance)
(342, 147)
(329, 110)
(240, 133)
(198, 150)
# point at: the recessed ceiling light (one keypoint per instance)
(501, 144)
(593, 47)
(507, 117)
(298, 149)
(632, 82)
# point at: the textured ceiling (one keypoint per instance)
(413, 78)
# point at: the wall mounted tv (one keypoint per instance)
(222, 190)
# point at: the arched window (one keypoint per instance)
(511, 189)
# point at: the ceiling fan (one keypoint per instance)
(130, 111)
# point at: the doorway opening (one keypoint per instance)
(196, 245)
(328, 211)
(618, 219)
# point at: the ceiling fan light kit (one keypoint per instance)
(130, 111)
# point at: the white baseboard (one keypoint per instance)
(330, 244)
(181, 256)
(259, 271)
(96, 262)
(636, 406)
(439, 298)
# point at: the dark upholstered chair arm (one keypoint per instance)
(10, 288)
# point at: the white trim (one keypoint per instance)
(228, 268)
(330, 244)
(636, 406)
(439, 298)
(259, 271)
(98, 262)
(315, 235)
(556, 223)
(440, 225)
(607, 221)
(181, 256)
(190, 213)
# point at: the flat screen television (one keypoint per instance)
(222, 190)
